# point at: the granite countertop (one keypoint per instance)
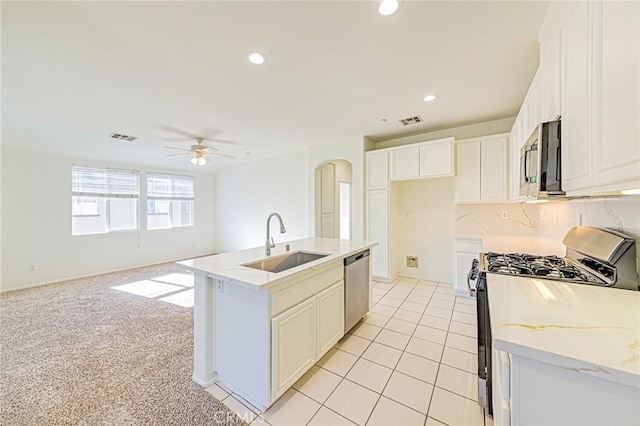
(228, 265)
(584, 328)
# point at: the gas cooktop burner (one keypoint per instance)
(524, 264)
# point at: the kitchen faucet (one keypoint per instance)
(270, 244)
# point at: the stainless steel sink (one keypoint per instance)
(285, 261)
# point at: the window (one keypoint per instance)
(103, 200)
(169, 201)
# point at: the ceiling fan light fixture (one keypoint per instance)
(257, 58)
(388, 7)
(198, 161)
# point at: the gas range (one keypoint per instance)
(529, 265)
(596, 256)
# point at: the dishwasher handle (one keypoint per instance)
(354, 258)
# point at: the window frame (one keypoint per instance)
(171, 196)
(106, 192)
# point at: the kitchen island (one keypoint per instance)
(256, 332)
(563, 353)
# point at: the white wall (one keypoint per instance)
(352, 150)
(248, 193)
(36, 223)
(425, 227)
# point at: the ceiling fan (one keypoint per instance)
(200, 152)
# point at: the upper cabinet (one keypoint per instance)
(436, 158)
(377, 170)
(405, 163)
(482, 170)
(422, 160)
(589, 75)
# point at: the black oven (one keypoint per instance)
(484, 341)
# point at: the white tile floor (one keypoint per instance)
(411, 361)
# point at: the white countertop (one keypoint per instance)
(589, 329)
(228, 265)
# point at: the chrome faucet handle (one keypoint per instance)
(272, 243)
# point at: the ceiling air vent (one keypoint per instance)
(122, 137)
(411, 120)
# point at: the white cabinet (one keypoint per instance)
(575, 109)
(302, 334)
(422, 160)
(465, 251)
(293, 345)
(377, 170)
(616, 129)
(589, 75)
(531, 392)
(436, 158)
(330, 318)
(482, 170)
(378, 230)
(404, 163)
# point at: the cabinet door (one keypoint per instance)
(293, 345)
(552, 73)
(616, 131)
(378, 230)
(575, 103)
(436, 159)
(377, 170)
(404, 163)
(468, 172)
(330, 322)
(493, 170)
(463, 266)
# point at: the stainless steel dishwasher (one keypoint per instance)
(356, 288)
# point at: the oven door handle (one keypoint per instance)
(472, 291)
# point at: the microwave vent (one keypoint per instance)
(411, 120)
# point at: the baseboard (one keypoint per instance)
(205, 383)
(111, 271)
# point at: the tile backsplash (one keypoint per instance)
(549, 221)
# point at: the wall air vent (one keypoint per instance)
(411, 120)
(122, 137)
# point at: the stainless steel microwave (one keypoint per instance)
(540, 162)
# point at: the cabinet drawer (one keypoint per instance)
(307, 287)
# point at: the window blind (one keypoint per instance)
(111, 183)
(169, 187)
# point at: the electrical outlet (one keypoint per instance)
(412, 261)
(32, 268)
(220, 286)
(504, 214)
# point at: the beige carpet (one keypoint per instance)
(80, 352)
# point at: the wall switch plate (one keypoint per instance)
(504, 214)
(32, 268)
(412, 261)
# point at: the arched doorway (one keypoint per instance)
(333, 199)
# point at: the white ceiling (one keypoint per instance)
(74, 72)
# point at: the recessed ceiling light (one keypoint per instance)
(430, 98)
(257, 58)
(388, 7)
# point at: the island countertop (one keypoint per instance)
(229, 265)
(585, 328)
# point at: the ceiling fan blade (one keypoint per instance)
(182, 153)
(179, 132)
(173, 147)
(228, 142)
(215, 154)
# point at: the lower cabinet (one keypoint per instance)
(302, 334)
(293, 343)
(532, 392)
(465, 251)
